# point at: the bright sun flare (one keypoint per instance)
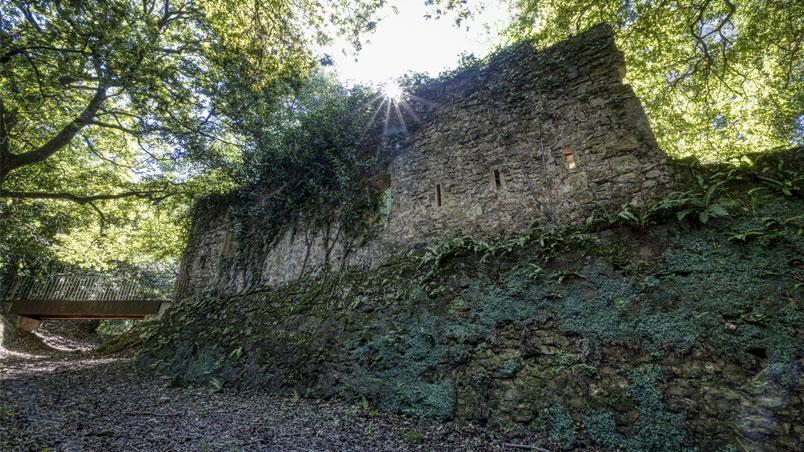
(392, 90)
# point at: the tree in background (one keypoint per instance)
(111, 107)
(718, 78)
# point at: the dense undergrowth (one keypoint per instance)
(601, 333)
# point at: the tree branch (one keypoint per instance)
(102, 157)
(66, 135)
(5, 153)
(16, 51)
(26, 12)
(37, 74)
(114, 126)
(101, 215)
(150, 195)
(4, 140)
(7, 56)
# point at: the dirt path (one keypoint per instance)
(72, 401)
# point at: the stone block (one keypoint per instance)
(29, 324)
(513, 394)
(624, 164)
(653, 174)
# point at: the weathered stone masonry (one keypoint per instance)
(544, 134)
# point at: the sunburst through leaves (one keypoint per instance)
(392, 99)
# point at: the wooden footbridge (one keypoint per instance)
(67, 296)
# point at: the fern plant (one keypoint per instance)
(701, 205)
(787, 182)
(628, 215)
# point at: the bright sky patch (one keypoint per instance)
(407, 42)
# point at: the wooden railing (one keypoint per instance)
(68, 287)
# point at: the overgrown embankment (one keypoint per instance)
(663, 329)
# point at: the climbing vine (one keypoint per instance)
(306, 164)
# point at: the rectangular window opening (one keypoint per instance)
(497, 179)
(438, 195)
(570, 157)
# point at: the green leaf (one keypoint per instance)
(716, 210)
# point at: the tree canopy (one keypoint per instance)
(104, 103)
(718, 78)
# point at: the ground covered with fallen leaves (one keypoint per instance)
(57, 395)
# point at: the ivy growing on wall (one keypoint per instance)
(308, 164)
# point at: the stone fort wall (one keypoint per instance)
(545, 134)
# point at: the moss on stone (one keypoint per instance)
(604, 333)
(602, 430)
(560, 428)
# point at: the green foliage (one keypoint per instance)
(388, 368)
(560, 428)
(116, 116)
(215, 384)
(627, 215)
(656, 429)
(115, 327)
(701, 206)
(770, 232)
(311, 164)
(716, 78)
(602, 430)
(455, 305)
(785, 181)
(28, 232)
(6, 412)
(129, 341)
(742, 446)
(454, 246)
(544, 243)
(732, 276)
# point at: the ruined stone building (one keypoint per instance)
(546, 134)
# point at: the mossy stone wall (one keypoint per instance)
(670, 338)
(529, 134)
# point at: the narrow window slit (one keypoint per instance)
(497, 180)
(438, 195)
(570, 157)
